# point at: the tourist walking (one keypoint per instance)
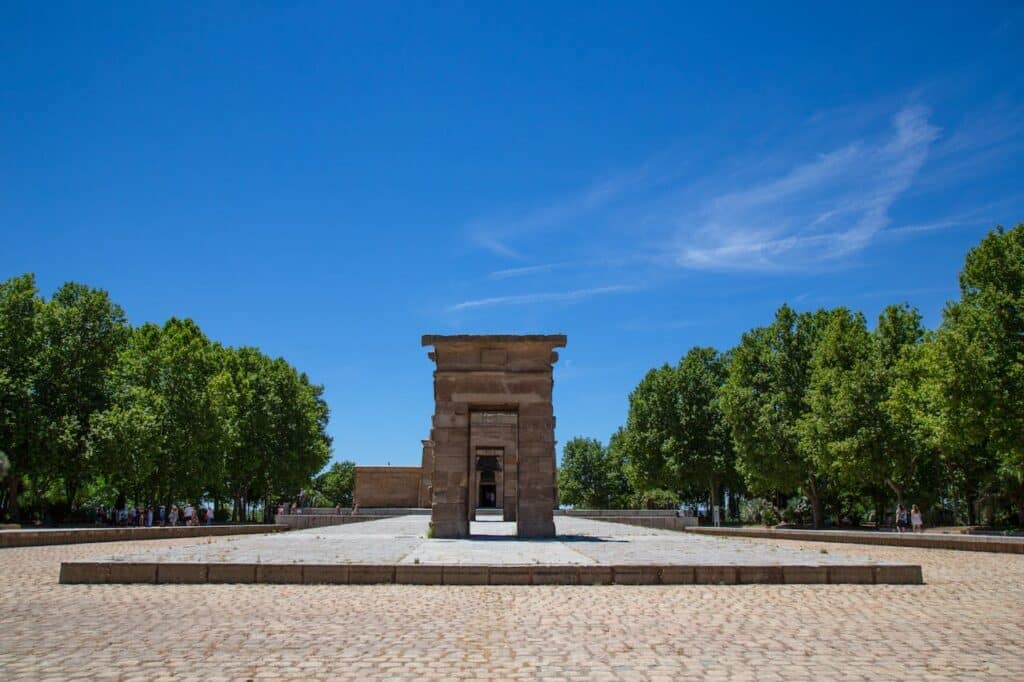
(902, 520)
(174, 515)
(916, 519)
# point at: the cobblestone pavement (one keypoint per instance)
(967, 622)
(404, 540)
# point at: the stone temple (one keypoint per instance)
(492, 441)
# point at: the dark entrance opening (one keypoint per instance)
(488, 498)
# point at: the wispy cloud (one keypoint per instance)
(809, 199)
(818, 211)
(509, 273)
(495, 233)
(546, 297)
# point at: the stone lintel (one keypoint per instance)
(555, 340)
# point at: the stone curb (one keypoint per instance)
(966, 543)
(36, 538)
(111, 572)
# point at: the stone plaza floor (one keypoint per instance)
(403, 540)
(965, 622)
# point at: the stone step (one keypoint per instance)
(92, 572)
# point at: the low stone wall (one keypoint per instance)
(74, 536)
(595, 513)
(967, 543)
(304, 520)
(92, 572)
(364, 511)
(648, 518)
(662, 522)
(665, 519)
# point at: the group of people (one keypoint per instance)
(909, 520)
(297, 506)
(154, 515)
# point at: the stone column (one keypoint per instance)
(426, 472)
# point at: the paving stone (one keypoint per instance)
(964, 623)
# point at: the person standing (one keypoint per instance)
(916, 519)
(901, 518)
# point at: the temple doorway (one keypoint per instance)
(488, 491)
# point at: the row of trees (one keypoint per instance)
(93, 410)
(818, 405)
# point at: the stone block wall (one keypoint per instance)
(388, 486)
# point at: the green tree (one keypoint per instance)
(764, 400)
(82, 332)
(272, 426)
(676, 434)
(241, 395)
(337, 484)
(299, 421)
(850, 428)
(582, 477)
(620, 493)
(981, 356)
(650, 434)
(20, 346)
(160, 439)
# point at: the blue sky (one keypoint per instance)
(328, 182)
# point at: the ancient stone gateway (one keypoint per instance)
(492, 443)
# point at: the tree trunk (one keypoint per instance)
(815, 500)
(13, 485)
(971, 498)
(898, 489)
(71, 490)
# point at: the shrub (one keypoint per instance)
(798, 510)
(657, 498)
(758, 510)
